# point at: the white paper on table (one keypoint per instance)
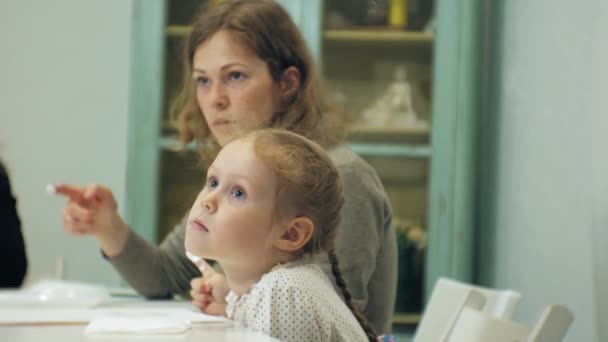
(51, 302)
(12, 316)
(137, 325)
(55, 294)
(147, 318)
(61, 302)
(30, 315)
(157, 311)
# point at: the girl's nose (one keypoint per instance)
(209, 205)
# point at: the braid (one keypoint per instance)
(335, 269)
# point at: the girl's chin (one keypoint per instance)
(193, 248)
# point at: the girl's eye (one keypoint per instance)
(212, 183)
(238, 193)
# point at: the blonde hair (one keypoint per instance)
(310, 185)
(268, 29)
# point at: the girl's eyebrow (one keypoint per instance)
(248, 180)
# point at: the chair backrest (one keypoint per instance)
(553, 324)
(477, 326)
(473, 325)
(448, 299)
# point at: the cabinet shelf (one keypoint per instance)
(371, 36)
(364, 149)
(345, 35)
(169, 144)
(390, 150)
(178, 30)
(390, 130)
(414, 136)
(406, 318)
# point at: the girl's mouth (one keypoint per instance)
(197, 224)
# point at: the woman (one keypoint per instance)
(248, 67)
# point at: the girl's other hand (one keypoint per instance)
(209, 292)
(92, 210)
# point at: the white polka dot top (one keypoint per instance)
(296, 302)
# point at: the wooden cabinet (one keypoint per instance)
(382, 75)
(425, 160)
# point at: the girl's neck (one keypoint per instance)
(242, 276)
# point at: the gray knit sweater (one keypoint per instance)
(365, 245)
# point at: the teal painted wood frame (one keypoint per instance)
(456, 104)
(459, 51)
(455, 112)
(146, 94)
(308, 15)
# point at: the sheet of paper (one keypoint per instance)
(12, 316)
(158, 311)
(59, 294)
(137, 325)
(129, 309)
(62, 302)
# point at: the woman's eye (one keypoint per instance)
(236, 76)
(202, 81)
(238, 193)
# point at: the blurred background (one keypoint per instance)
(85, 85)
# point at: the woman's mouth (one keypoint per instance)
(197, 224)
(220, 122)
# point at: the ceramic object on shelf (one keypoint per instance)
(394, 108)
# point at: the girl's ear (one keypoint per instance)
(299, 231)
(290, 81)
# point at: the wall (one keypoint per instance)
(543, 167)
(599, 166)
(63, 118)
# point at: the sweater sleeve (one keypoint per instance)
(157, 271)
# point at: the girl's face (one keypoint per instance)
(234, 88)
(231, 220)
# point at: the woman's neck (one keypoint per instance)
(242, 276)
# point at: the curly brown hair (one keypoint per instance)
(268, 29)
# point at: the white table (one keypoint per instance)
(72, 332)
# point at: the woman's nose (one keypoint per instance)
(218, 96)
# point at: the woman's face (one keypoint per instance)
(234, 88)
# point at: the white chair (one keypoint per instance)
(473, 325)
(448, 299)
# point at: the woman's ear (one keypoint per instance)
(299, 231)
(290, 81)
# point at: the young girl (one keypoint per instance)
(271, 201)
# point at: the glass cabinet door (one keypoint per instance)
(376, 57)
(181, 172)
(386, 66)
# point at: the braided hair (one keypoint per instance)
(310, 183)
